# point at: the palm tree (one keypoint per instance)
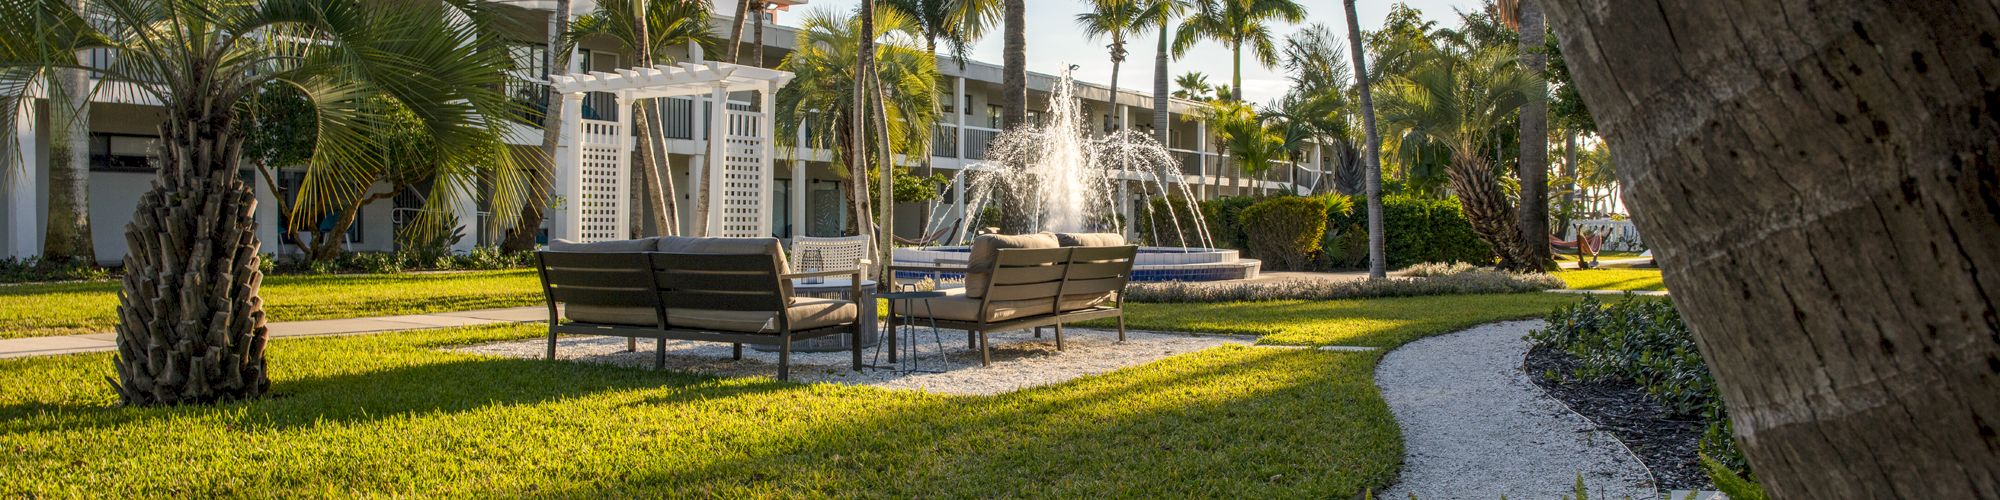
(1014, 64)
(820, 98)
(1193, 86)
(191, 326)
(555, 61)
(957, 23)
(1251, 139)
(1526, 17)
(1319, 103)
(1237, 23)
(1160, 15)
(736, 30)
(1378, 264)
(1458, 99)
(669, 23)
(66, 236)
(1114, 19)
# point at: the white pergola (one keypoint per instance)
(593, 169)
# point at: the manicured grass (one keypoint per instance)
(392, 415)
(92, 307)
(1365, 322)
(1613, 279)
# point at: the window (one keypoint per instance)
(992, 116)
(968, 104)
(123, 152)
(945, 104)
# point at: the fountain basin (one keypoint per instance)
(1152, 264)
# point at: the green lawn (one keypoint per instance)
(393, 415)
(1358, 322)
(1613, 279)
(92, 307)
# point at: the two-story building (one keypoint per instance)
(808, 195)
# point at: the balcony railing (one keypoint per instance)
(976, 141)
(944, 141)
(1190, 161)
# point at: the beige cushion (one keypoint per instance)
(958, 307)
(635, 316)
(986, 250)
(807, 313)
(1090, 239)
(614, 246)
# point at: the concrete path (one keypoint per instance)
(67, 344)
(1475, 426)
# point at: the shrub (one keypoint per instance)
(1285, 230)
(1471, 282)
(1225, 220)
(14, 270)
(1432, 269)
(1644, 341)
(1168, 222)
(1416, 230)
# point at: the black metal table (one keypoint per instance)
(907, 351)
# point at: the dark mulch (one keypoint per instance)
(1667, 443)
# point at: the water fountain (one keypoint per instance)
(1068, 181)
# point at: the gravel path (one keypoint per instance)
(1474, 425)
(1019, 360)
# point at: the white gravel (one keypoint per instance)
(1475, 426)
(1020, 361)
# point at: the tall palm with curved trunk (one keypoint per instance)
(191, 324)
(1239, 24)
(821, 101)
(1378, 262)
(1160, 15)
(1526, 17)
(527, 226)
(668, 24)
(1823, 195)
(1457, 99)
(1115, 20)
(1014, 64)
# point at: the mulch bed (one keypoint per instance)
(1667, 443)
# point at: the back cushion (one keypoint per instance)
(613, 246)
(1090, 239)
(986, 250)
(728, 246)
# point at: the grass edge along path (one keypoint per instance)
(41, 310)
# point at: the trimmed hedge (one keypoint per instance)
(1417, 230)
(1285, 230)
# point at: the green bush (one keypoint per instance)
(1155, 228)
(1644, 341)
(33, 269)
(1467, 282)
(1285, 230)
(1225, 220)
(1417, 230)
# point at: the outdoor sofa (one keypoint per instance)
(733, 290)
(1030, 281)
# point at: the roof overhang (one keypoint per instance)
(676, 80)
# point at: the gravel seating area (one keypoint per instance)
(1475, 426)
(1020, 361)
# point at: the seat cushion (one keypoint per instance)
(986, 250)
(635, 316)
(613, 246)
(807, 313)
(956, 306)
(1090, 239)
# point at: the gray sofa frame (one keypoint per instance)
(1041, 274)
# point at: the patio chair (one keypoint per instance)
(1030, 281)
(815, 254)
(726, 294)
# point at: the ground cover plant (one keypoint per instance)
(1613, 279)
(35, 310)
(1458, 282)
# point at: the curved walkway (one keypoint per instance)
(1474, 425)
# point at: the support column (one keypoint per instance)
(958, 201)
(1201, 154)
(1124, 177)
(799, 184)
(465, 208)
(24, 206)
(767, 132)
(624, 138)
(268, 240)
(958, 93)
(566, 220)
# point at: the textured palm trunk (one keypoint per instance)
(1014, 101)
(67, 237)
(1823, 194)
(736, 31)
(1534, 162)
(1161, 118)
(528, 226)
(191, 324)
(1493, 217)
(757, 35)
(1569, 185)
(863, 217)
(1378, 263)
(1236, 71)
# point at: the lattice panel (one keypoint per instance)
(743, 204)
(601, 201)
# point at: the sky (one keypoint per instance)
(1055, 42)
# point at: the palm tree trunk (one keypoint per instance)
(1534, 162)
(67, 236)
(1486, 206)
(757, 36)
(736, 30)
(1161, 118)
(863, 220)
(658, 202)
(1378, 263)
(1014, 101)
(529, 224)
(1569, 210)
(1845, 298)
(191, 324)
(1236, 71)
